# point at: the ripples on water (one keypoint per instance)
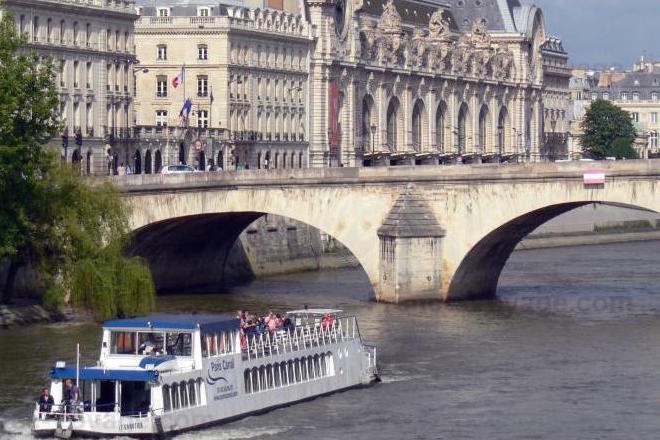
(569, 351)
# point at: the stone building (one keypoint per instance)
(556, 100)
(246, 71)
(338, 83)
(636, 91)
(91, 45)
(423, 82)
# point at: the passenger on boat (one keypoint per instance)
(272, 322)
(327, 321)
(71, 395)
(46, 401)
(149, 347)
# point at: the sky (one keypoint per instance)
(604, 33)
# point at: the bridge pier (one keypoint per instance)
(410, 264)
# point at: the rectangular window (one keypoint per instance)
(179, 344)
(162, 52)
(161, 86)
(594, 96)
(653, 118)
(123, 343)
(202, 85)
(654, 96)
(635, 96)
(163, 12)
(203, 52)
(203, 12)
(606, 96)
(203, 119)
(634, 116)
(161, 118)
(624, 96)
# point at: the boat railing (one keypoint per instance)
(258, 345)
(73, 411)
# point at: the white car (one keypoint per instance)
(177, 169)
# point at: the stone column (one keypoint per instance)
(410, 251)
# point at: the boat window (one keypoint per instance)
(199, 386)
(175, 396)
(269, 377)
(291, 372)
(277, 378)
(167, 402)
(247, 379)
(210, 345)
(135, 398)
(263, 384)
(184, 394)
(304, 369)
(255, 380)
(150, 343)
(179, 344)
(285, 378)
(123, 343)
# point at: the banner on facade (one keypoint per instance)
(333, 131)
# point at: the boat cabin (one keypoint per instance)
(138, 355)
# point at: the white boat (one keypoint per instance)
(169, 373)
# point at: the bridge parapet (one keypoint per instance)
(450, 173)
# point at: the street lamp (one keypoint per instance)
(373, 139)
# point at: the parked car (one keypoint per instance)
(177, 169)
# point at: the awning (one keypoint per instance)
(101, 374)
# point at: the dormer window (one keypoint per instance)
(624, 96)
(163, 12)
(203, 12)
(635, 96)
(654, 96)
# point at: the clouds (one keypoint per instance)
(604, 32)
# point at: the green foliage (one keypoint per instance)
(622, 149)
(50, 217)
(111, 285)
(28, 109)
(603, 125)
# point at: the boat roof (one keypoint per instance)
(315, 312)
(95, 373)
(192, 321)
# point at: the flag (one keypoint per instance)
(178, 80)
(187, 109)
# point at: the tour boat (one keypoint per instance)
(163, 374)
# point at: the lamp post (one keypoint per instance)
(500, 140)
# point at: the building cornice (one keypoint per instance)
(78, 8)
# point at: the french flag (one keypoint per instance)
(187, 109)
(178, 80)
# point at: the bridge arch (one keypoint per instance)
(478, 273)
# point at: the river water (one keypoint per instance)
(571, 350)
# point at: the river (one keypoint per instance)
(570, 350)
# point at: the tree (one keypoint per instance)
(72, 230)
(608, 132)
(28, 109)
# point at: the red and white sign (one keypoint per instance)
(594, 177)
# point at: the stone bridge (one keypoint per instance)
(419, 232)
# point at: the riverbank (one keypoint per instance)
(21, 315)
(585, 239)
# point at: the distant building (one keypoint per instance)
(91, 45)
(636, 91)
(246, 72)
(335, 83)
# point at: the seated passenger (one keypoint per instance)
(46, 401)
(71, 395)
(327, 321)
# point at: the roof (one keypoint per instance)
(194, 321)
(411, 217)
(101, 374)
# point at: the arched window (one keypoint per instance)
(174, 393)
(259, 160)
(159, 162)
(368, 124)
(393, 125)
(147, 162)
(184, 394)
(300, 160)
(277, 160)
(418, 126)
(247, 379)
(462, 128)
(502, 130)
(483, 129)
(440, 121)
(137, 162)
(89, 163)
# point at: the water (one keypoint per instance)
(569, 351)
